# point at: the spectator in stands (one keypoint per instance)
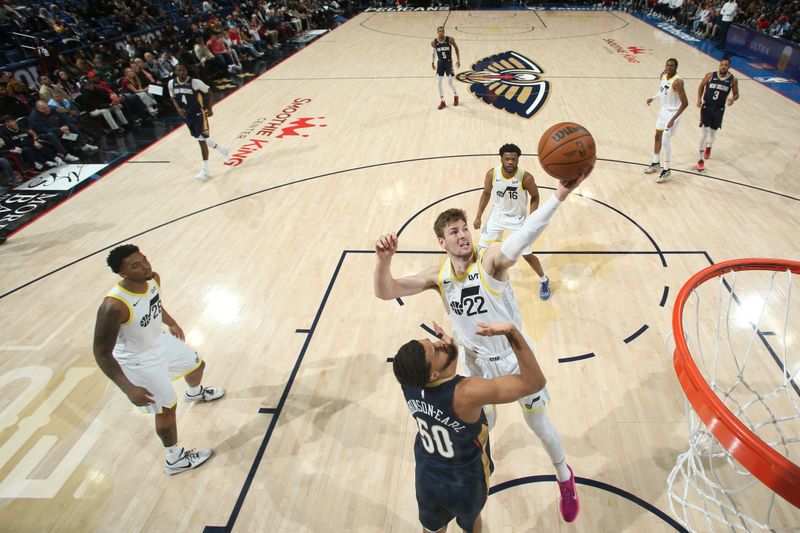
(69, 66)
(8, 176)
(268, 36)
(35, 153)
(54, 128)
(780, 27)
(234, 40)
(11, 105)
(762, 24)
(701, 19)
(46, 87)
(217, 47)
(97, 102)
(158, 70)
(727, 13)
(67, 85)
(132, 84)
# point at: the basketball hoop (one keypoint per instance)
(737, 358)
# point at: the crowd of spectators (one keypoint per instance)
(104, 65)
(709, 19)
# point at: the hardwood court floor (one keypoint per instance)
(268, 268)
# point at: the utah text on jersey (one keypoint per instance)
(508, 81)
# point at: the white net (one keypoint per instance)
(743, 333)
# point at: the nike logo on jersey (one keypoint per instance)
(446, 281)
(137, 301)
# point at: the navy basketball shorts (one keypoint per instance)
(458, 493)
(444, 68)
(198, 124)
(711, 118)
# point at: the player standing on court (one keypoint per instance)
(475, 287)
(510, 187)
(451, 450)
(193, 101)
(712, 95)
(443, 47)
(142, 360)
(672, 96)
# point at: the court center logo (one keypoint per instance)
(508, 81)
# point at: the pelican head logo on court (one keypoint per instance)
(258, 133)
(508, 81)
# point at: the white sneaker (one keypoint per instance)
(71, 158)
(51, 164)
(187, 460)
(202, 175)
(207, 394)
(37, 165)
(89, 148)
(226, 153)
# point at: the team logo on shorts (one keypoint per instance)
(508, 81)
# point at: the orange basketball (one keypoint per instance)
(567, 151)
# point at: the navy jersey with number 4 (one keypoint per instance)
(188, 94)
(717, 90)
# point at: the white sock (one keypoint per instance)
(544, 278)
(439, 85)
(194, 391)
(655, 159)
(562, 472)
(703, 139)
(210, 143)
(171, 453)
(451, 84)
(205, 165)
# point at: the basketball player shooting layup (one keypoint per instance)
(510, 187)
(452, 453)
(443, 47)
(142, 360)
(192, 100)
(475, 287)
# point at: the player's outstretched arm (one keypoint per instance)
(486, 195)
(473, 393)
(701, 89)
(386, 286)
(111, 314)
(498, 259)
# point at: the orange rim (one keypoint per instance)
(769, 466)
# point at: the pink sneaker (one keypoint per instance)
(707, 153)
(442, 105)
(568, 503)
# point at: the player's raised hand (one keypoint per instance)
(386, 245)
(565, 187)
(447, 339)
(490, 329)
